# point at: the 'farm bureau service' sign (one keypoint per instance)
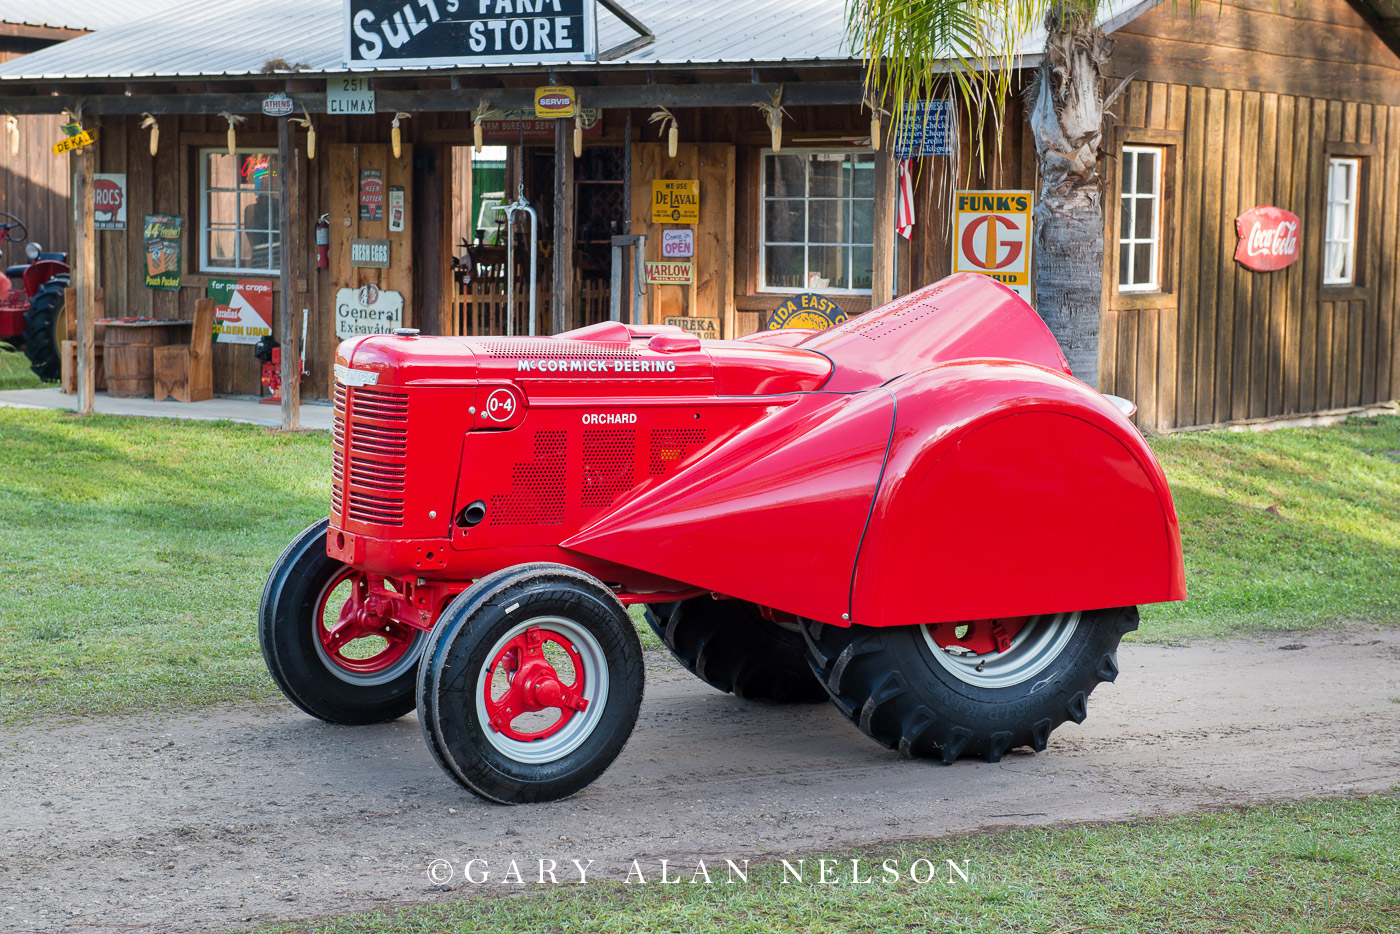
(456, 32)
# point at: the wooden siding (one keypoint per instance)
(34, 183)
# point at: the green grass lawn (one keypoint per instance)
(133, 551)
(15, 372)
(1321, 866)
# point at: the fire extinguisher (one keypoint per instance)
(323, 242)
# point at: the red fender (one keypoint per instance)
(1012, 489)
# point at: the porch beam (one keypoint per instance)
(562, 293)
(289, 190)
(85, 272)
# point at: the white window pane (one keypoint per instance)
(862, 221)
(1125, 269)
(785, 177)
(1147, 173)
(863, 184)
(1335, 263)
(830, 176)
(785, 221)
(783, 267)
(824, 200)
(1146, 214)
(222, 208)
(827, 268)
(862, 267)
(826, 222)
(223, 170)
(1125, 219)
(221, 247)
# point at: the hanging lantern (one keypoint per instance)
(149, 123)
(305, 120)
(233, 121)
(396, 136)
(668, 125)
(12, 128)
(773, 113)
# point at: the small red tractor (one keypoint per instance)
(31, 301)
(919, 514)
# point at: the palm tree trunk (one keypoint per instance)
(1067, 108)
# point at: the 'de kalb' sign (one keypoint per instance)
(1268, 239)
(456, 32)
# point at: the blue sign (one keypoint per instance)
(928, 130)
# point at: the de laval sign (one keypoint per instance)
(1268, 239)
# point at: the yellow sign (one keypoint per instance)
(993, 236)
(807, 310)
(705, 328)
(675, 201)
(670, 273)
(553, 103)
(85, 138)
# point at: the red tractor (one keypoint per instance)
(31, 301)
(919, 514)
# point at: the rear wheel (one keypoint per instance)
(531, 684)
(977, 688)
(730, 646)
(329, 642)
(44, 329)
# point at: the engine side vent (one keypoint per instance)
(372, 464)
(670, 446)
(536, 495)
(535, 350)
(882, 326)
(377, 403)
(338, 450)
(609, 465)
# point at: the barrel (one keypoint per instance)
(130, 370)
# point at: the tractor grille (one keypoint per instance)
(370, 464)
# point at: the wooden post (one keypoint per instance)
(563, 291)
(85, 272)
(886, 179)
(289, 189)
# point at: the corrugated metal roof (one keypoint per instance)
(80, 14)
(210, 38)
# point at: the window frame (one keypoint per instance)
(1173, 144)
(202, 213)
(850, 246)
(1356, 162)
(1126, 239)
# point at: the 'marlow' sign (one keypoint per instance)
(455, 32)
(1268, 239)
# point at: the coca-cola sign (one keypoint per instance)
(1268, 239)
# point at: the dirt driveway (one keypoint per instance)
(210, 821)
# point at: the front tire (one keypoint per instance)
(915, 689)
(531, 684)
(323, 656)
(43, 326)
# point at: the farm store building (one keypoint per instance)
(1294, 105)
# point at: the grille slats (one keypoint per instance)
(376, 448)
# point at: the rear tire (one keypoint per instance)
(889, 683)
(41, 333)
(731, 647)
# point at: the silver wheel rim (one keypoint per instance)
(581, 725)
(367, 679)
(1032, 649)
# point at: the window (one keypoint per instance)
(818, 221)
(1339, 263)
(1140, 220)
(239, 228)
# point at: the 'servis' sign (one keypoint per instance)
(455, 32)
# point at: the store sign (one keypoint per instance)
(371, 195)
(670, 273)
(242, 309)
(677, 244)
(463, 32)
(373, 254)
(396, 208)
(675, 201)
(1268, 239)
(993, 236)
(109, 201)
(367, 310)
(808, 310)
(277, 105)
(162, 237)
(515, 125)
(928, 130)
(349, 96)
(553, 103)
(76, 141)
(703, 328)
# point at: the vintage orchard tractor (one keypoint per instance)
(31, 301)
(919, 513)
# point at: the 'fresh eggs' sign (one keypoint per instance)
(455, 32)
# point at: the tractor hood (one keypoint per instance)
(610, 358)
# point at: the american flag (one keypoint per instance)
(904, 213)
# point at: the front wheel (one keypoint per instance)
(531, 684)
(329, 644)
(44, 330)
(977, 688)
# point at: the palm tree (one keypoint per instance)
(916, 49)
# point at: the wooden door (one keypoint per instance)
(711, 293)
(347, 161)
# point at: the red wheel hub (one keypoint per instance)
(980, 636)
(362, 616)
(533, 684)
